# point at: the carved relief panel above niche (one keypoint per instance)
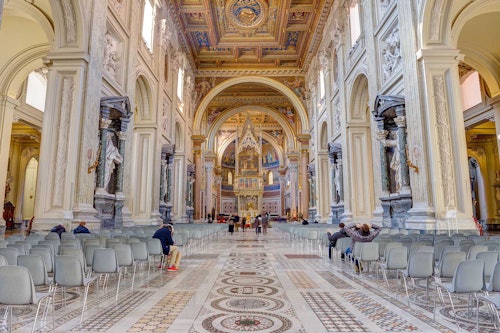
(113, 56)
(390, 53)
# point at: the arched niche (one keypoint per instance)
(143, 101)
(323, 137)
(274, 84)
(280, 118)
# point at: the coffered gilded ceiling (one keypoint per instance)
(268, 36)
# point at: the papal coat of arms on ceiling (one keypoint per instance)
(247, 13)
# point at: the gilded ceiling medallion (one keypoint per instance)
(247, 13)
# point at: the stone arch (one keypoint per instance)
(289, 134)
(17, 70)
(143, 100)
(69, 24)
(266, 136)
(296, 102)
(480, 53)
(434, 19)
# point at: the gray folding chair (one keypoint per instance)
(369, 254)
(140, 254)
(467, 279)
(104, 264)
(17, 289)
(36, 265)
(397, 259)
(493, 301)
(10, 253)
(125, 259)
(420, 266)
(490, 259)
(46, 254)
(69, 273)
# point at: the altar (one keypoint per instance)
(248, 181)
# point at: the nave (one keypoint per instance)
(253, 283)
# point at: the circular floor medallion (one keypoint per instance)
(247, 304)
(248, 273)
(251, 322)
(248, 280)
(247, 291)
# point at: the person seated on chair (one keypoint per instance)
(164, 234)
(59, 229)
(333, 239)
(361, 233)
(81, 229)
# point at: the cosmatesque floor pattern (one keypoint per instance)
(255, 283)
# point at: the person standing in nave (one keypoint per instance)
(265, 222)
(230, 224)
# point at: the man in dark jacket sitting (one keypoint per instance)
(164, 234)
(333, 238)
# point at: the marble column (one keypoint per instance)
(294, 188)
(218, 185)
(400, 121)
(198, 140)
(122, 138)
(304, 161)
(384, 172)
(191, 174)
(209, 172)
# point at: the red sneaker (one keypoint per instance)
(172, 268)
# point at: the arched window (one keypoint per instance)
(36, 91)
(354, 22)
(148, 19)
(471, 90)
(321, 84)
(29, 191)
(230, 178)
(180, 83)
(270, 178)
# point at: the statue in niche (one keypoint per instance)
(337, 178)
(396, 167)
(113, 157)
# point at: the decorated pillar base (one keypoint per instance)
(346, 216)
(168, 212)
(119, 203)
(386, 212)
(378, 216)
(163, 209)
(492, 224)
(189, 214)
(421, 218)
(105, 205)
(312, 214)
(395, 210)
(337, 211)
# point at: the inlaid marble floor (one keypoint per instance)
(254, 283)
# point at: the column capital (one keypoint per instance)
(104, 123)
(198, 139)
